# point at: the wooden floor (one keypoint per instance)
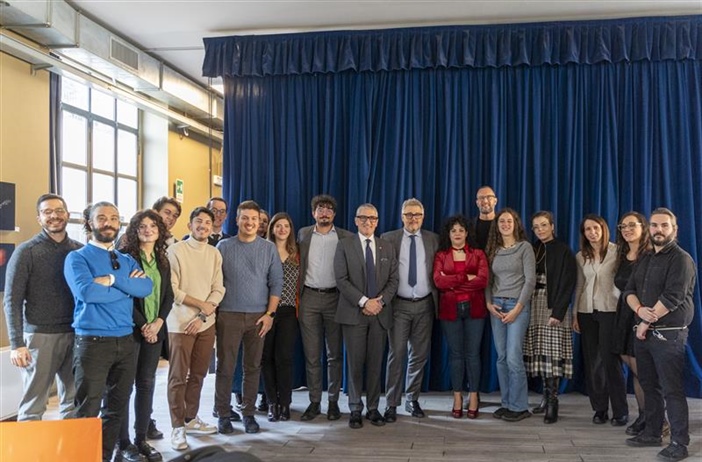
(438, 437)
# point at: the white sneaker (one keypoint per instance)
(178, 441)
(198, 427)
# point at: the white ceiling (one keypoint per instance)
(173, 30)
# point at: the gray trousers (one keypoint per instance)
(52, 356)
(365, 345)
(412, 327)
(317, 325)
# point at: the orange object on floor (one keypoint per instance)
(51, 440)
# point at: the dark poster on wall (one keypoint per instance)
(5, 254)
(7, 206)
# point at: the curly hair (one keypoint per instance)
(586, 248)
(644, 240)
(130, 241)
(290, 244)
(445, 234)
(495, 240)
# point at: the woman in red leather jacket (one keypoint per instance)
(461, 275)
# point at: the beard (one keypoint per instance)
(100, 237)
(662, 241)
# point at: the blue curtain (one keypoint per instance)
(602, 117)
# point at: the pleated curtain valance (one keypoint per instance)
(555, 43)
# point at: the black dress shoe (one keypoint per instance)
(273, 413)
(643, 441)
(262, 403)
(152, 432)
(333, 411)
(131, 454)
(390, 414)
(637, 427)
(355, 421)
(414, 409)
(284, 412)
(250, 424)
(619, 421)
(146, 450)
(375, 418)
(600, 417)
(224, 426)
(312, 411)
(233, 415)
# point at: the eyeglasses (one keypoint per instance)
(365, 218)
(324, 208)
(49, 212)
(113, 260)
(486, 198)
(411, 216)
(218, 211)
(630, 225)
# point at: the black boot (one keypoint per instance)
(551, 415)
(541, 408)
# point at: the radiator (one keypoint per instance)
(10, 386)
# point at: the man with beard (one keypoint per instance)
(104, 283)
(39, 312)
(660, 293)
(318, 300)
(486, 201)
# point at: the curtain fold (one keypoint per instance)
(455, 47)
(575, 138)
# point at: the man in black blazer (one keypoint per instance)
(318, 300)
(366, 275)
(414, 309)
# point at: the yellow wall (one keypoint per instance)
(24, 146)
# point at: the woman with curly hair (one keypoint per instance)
(145, 240)
(513, 276)
(633, 240)
(461, 275)
(279, 345)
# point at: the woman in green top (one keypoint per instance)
(145, 240)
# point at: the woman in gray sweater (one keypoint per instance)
(512, 280)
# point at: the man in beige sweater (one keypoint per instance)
(196, 275)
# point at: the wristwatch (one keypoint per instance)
(202, 316)
(271, 313)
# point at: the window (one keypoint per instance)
(99, 152)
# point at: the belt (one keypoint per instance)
(96, 338)
(413, 300)
(330, 290)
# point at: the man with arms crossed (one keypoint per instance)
(253, 276)
(318, 301)
(39, 312)
(660, 292)
(413, 309)
(366, 275)
(104, 283)
(196, 276)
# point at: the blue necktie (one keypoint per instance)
(370, 272)
(412, 274)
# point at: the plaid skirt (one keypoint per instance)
(548, 351)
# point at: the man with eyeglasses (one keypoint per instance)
(39, 312)
(414, 309)
(366, 275)
(486, 201)
(660, 292)
(318, 301)
(104, 283)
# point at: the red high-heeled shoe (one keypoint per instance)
(473, 413)
(457, 413)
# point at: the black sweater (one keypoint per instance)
(561, 275)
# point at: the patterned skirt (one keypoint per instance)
(548, 351)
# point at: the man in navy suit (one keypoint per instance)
(366, 274)
(414, 309)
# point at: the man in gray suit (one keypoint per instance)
(414, 308)
(366, 275)
(318, 301)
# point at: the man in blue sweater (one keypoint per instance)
(104, 283)
(253, 277)
(39, 312)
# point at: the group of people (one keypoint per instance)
(102, 324)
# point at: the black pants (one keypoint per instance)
(661, 364)
(604, 376)
(146, 356)
(104, 364)
(278, 355)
